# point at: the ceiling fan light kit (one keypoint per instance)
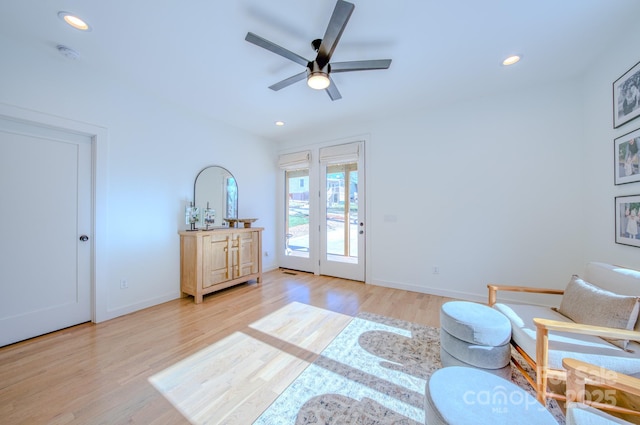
(317, 78)
(318, 70)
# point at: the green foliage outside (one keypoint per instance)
(298, 220)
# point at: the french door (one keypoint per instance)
(341, 213)
(325, 233)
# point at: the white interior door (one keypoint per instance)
(342, 200)
(45, 214)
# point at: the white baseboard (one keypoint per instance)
(459, 295)
(432, 291)
(130, 308)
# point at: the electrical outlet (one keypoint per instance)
(436, 270)
(124, 283)
(266, 253)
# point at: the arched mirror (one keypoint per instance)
(216, 187)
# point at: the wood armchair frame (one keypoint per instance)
(542, 370)
(580, 373)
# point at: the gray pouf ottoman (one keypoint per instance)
(462, 395)
(475, 335)
(448, 360)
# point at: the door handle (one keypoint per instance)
(84, 238)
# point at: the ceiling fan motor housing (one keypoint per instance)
(313, 68)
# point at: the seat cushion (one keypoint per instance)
(484, 356)
(590, 349)
(475, 323)
(461, 395)
(581, 414)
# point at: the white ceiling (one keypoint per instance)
(193, 52)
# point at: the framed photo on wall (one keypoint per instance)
(627, 220)
(626, 97)
(626, 158)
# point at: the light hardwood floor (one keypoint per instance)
(127, 369)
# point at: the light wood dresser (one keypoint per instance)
(211, 260)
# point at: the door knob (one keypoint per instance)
(84, 238)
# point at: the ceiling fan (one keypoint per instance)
(318, 71)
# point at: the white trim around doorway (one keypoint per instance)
(99, 137)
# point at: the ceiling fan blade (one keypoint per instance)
(338, 22)
(360, 65)
(333, 91)
(266, 44)
(288, 81)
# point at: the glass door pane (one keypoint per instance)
(297, 213)
(342, 213)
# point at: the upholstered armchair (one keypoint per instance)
(596, 322)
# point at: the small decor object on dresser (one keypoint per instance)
(209, 217)
(626, 96)
(627, 220)
(626, 157)
(192, 216)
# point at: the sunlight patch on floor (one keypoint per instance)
(238, 377)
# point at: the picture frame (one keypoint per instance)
(626, 97)
(627, 220)
(627, 158)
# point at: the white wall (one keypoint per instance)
(512, 188)
(600, 135)
(488, 190)
(153, 153)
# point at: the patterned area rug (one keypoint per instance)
(373, 373)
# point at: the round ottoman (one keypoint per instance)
(475, 335)
(462, 395)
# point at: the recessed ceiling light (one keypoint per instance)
(74, 21)
(513, 59)
(279, 123)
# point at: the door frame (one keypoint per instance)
(99, 149)
(314, 169)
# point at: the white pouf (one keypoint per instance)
(463, 395)
(476, 335)
(475, 323)
(448, 360)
